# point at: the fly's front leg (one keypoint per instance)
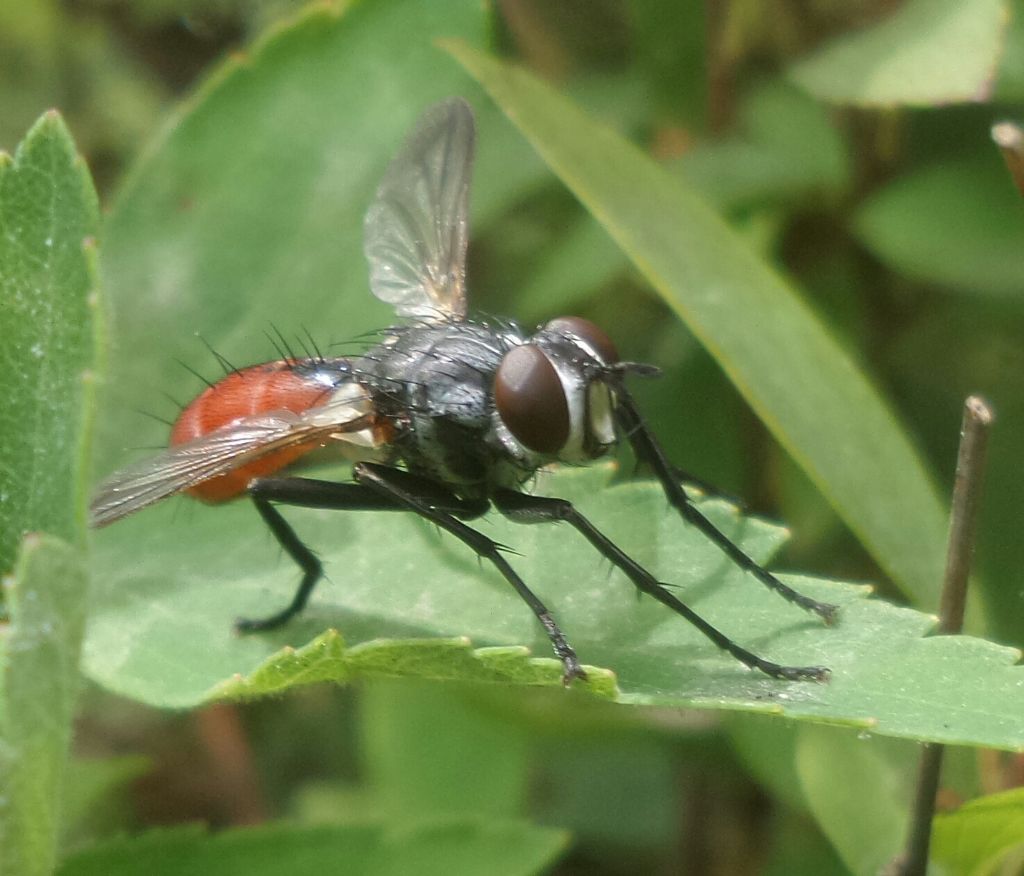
(648, 450)
(706, 487)
(521, 508)
(308, 493)
(404, 489)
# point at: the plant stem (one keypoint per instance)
(970, 467)
(1009, 138)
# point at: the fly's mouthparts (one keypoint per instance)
(639, 369)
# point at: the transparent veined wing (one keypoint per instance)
(417, 227)
(186, 465)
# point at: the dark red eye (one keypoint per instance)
(531, 401)
(589, 333)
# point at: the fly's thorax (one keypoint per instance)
(435, 384)
(552, 395)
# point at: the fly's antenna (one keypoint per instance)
(640, 369)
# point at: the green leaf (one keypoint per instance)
(174, 582)
(48, 213)
(926, 52)
(838, 773)
(768, 750)
(93, 796)
(669, 48)
(977, 836)
(957, 223)
(786, 147)
(581, 260)
(450, 848)
(247, 212)
(428, 751)
(1010, 84)
(47, 302)
(46, 599)
(785, 363)
(798, 850)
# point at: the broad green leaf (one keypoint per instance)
(785, 147)
(96, 796)
(1010, 83)
(807, 390)
(798, 850)
(28, 85)
(670, 51)
(46, 599)
(578, 263)
(48, 214)
(768, 750)
(175, 578)
(924, 53)
(974, 838)
(958, 223)
(839, 772)
(427, 751)
(621, 789)
(47, 301)
(247, 211)
(468, 846)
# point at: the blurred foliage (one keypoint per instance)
(846, 142)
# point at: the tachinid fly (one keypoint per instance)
(445, 417)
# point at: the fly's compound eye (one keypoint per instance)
(587, 332)
(531, 399)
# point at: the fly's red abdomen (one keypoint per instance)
(258, 389)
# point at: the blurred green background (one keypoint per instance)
(864, 172)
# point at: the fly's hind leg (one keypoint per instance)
(308, 493)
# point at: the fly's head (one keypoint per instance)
(555, 393)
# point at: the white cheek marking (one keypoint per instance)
(602, 426)
(596, 397)
(575, 396)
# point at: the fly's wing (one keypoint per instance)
(186, 465)
(417, 227)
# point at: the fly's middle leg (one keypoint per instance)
(405, 489)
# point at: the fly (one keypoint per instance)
(445, 417)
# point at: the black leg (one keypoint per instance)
(308, 493)
(649, 451)
(402, 488)
(706, 487)
(538, 509)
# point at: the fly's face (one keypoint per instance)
(553, 392)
